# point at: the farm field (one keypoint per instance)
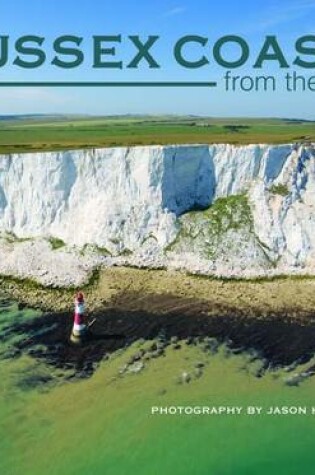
(36, 133)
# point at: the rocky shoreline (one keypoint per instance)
(154, 325)
(287, 295)
(150, 313)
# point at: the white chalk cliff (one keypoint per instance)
(220, 209)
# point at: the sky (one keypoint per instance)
(169, 19)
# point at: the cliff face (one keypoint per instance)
(219, 208)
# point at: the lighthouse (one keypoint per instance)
(79, 328)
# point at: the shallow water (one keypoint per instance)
(103, 424)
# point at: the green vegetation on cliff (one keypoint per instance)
(206, 230)
(280, 189)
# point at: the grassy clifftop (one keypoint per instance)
(59, 133)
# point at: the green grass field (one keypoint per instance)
(35, 133)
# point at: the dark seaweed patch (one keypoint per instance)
(276, 338)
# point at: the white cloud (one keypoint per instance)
(175, 11)
(29, 100)
(285, 14)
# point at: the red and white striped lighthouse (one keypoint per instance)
(79, 327)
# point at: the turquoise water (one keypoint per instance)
(103, 425)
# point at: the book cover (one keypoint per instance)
(157, 237)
